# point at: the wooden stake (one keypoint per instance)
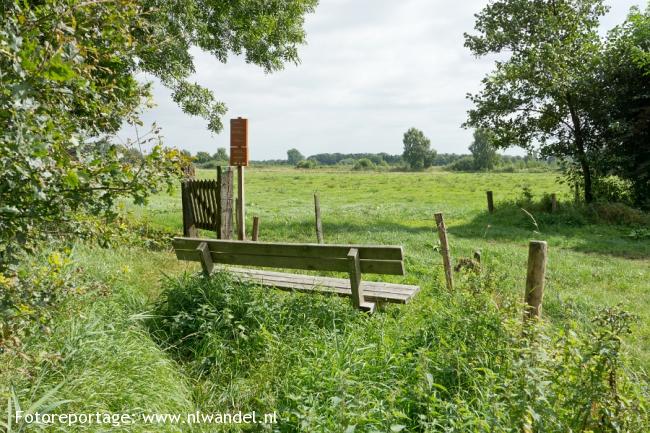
(241, 205)
(319, 223)
(189, 227)
(537, 252)
(444, 250)
(224, 204)
(490, 201)
(256, 228)
(553, 203)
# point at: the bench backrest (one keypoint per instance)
(374, 259)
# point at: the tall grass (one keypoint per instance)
(135, 330)
(461, 362)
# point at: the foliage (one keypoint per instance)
(541, 94)
(417, 149)
(613, 189)
(622, 110)
(349, 158)
(294, 156)
(306, 163)
(221, 154)
(466, 163)
(68, 82)
(364, 164)
(28, 298)
(484, 153)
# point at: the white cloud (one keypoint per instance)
(371, 70)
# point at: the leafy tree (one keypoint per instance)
(484, 153)
(202, 157)
(294, 156)
(68, 82)
(536, 97)
(621, 104)
(221, 155)
(417, 151)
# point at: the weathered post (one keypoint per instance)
(537, 252)
(241, 205)
(239, 158)
(319, 223)
(553, 203)
(224, 204)
(490, 201)
(444, 250)
(189, 226)
(256, 228)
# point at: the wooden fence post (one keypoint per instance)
(553, 203)
(444, 250)
(319, 223)
(490, 201)
(189, 227)
(256, 228)
(537, 252)
(224, 204)
(241, 205)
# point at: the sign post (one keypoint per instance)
(239, 158)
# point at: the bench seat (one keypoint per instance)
(373, 291)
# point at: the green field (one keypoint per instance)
(425, 366)
(590, 265)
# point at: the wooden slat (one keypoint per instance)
(366, 252)
(373, 291)
(368, 266)
(392, 290)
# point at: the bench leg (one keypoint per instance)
(358, 300)
(205, 258)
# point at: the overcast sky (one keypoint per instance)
(371, 69)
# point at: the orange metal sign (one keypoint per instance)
(239, 142)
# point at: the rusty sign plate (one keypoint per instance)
(239, 141)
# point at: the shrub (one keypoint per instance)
(466, 163)
(620, 214)
(306, 164)
(364, 164)
(613, 189)
(28, 297)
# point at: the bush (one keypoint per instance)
(620, 214)
(364, 164)
(28, 297)
(613, 189)
(306, 164)
(466, 163)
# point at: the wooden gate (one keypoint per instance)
(207, 205)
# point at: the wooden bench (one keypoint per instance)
(353, 259)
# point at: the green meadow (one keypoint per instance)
(146, 332)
